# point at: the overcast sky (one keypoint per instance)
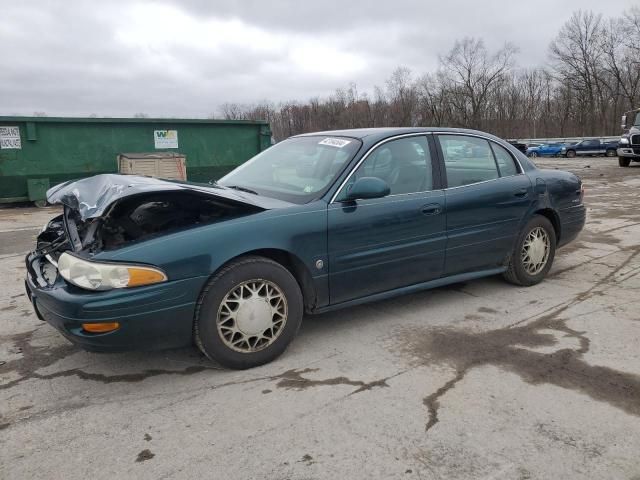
(186, 58)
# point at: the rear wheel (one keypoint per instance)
(248, 313)
(533, 154)
(533, 254)
(624, 162)
(611, 152)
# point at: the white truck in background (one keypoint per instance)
(629, 144)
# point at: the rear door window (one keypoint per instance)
(467, 160)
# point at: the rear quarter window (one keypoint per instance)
(506, 163)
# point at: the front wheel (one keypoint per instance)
(533, 154)
(571, 153)
(624, 162)
(248, 313)
(533, 254)
(611, 152)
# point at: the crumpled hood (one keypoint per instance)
(92, 196)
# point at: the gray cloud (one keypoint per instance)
(186, 58)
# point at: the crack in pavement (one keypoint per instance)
(38, 357)
(294, 380)
(510, 348)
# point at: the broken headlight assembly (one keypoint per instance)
(92, 275)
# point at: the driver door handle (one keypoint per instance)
(432, 209)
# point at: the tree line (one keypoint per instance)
(592, 77)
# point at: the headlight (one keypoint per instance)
(105, 276)
(563, 149)
(624, 141)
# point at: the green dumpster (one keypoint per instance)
(38, 152)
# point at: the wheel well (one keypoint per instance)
(552, 216)
(295, 266)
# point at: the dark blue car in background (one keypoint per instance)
(590, 147)
(317, 222)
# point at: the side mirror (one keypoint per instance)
(368, 187)
(624, 122)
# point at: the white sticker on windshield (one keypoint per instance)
(334, 142)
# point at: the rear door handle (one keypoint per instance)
(521, 193)
(432, 209)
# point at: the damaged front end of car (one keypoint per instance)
(76, 282)
(106, 212)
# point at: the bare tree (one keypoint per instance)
(595, 76)
(475, 72)
(577, 55)
(621, 53)
(402, 97)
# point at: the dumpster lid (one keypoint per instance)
(151, 155)
(92, 196)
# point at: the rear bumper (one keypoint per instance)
(572, 221)
(629, 152)
(153, 317)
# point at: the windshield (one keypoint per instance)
(296, 170)
(636, 123)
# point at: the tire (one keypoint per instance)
(533, 154)
(624, 162)
(40, 203)
(571, 153)
(611, 152)
(243, 277)
(517, 272)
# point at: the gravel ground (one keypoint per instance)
(475, 380)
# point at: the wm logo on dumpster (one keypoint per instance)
(165, 138)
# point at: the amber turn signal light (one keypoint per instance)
(144, 276)
(100, 327)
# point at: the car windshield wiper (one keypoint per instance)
(242, 189)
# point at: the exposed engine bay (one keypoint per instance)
(108, 211)
(130, 219)
(136, 218)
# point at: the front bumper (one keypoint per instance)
(629, 152)
(153, 317)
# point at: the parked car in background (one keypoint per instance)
(545, 150)
(522, 147)
(629, 144)
(317, 222)
(596, 148)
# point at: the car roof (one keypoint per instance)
(371, 136)
(375, 134)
